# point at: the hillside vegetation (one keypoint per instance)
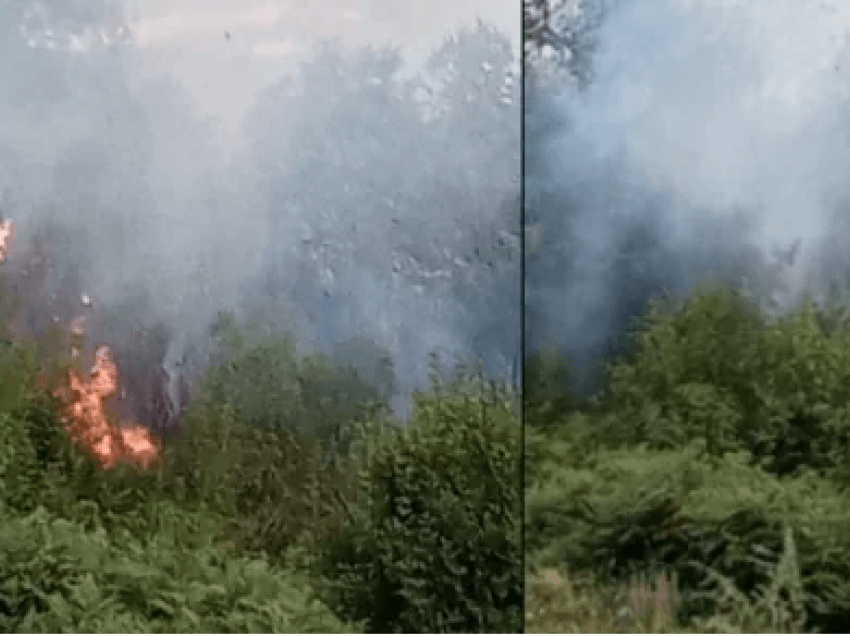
(706, 489)
(288, 503)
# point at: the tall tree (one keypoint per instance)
(562, 36)
(388, 222)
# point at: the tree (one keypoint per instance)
(562, 35)
(373, 219)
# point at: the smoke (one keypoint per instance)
(389, 234)
(711, 137)
(335, 205)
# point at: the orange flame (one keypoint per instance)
(87, 422)
(84, 416)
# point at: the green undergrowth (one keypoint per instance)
(301, 513)
(434, 542)
(60, 576)
(717, 455)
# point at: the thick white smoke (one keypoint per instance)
(712, 134)
(179, 172)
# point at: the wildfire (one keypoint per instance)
(84, 416)
(88, 424)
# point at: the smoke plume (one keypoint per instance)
(709, 144)
(349, 202)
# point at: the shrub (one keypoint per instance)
(723, 430)
(548, 388)
(84, 549)
(57, 577)
(268, 385)
(434, 544)
(277, 486)
(713, 368)
(632, 512)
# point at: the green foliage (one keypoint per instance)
(240, 520)
(33, 447)
(559, 601)
(268, 385)
(547, 384)
(722, 432)
(632, 511)
(715, 369)
(58, 577)
(259, 381)
(83, 549)
(434, 544)
(279, 486)
(778, 607)
(204, 542)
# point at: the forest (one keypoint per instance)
(686, 374)
(271, 389)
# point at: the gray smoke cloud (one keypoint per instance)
(710, 139)
(348, 202)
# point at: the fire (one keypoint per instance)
(86, 420)
(84, 415)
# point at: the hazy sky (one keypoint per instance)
(186, 38)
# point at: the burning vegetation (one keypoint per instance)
(278, 452)
(87, 422)
(85, 415)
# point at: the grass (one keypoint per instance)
(558, 601)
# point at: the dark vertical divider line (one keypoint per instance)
(522, 97)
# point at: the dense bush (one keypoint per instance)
(716, 369)
(434, 544)
(720, 432)
(548, 391)
(280, 487)
(82, 549)
(268, 385)
(57, 576)
(244, 514)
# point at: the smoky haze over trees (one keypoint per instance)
(394, 237)
(358, 208)
(669, 144)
